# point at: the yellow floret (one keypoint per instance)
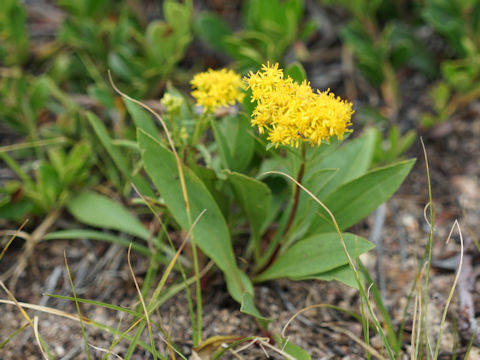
(216, 88)
(292, 113)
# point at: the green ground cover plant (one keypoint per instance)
(458, 24)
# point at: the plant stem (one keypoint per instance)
(296, 196)
(273, 249)
(199, 128)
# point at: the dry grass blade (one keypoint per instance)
(74, 317)
(12, 335)
(77, 306)
(33, 144)
(425, 216)
(452, 290)
(37, 337)
(418, 317)
(23, 312)
(153, 303)
(264, 342)
(31, 242)
(315, 306)
(44, 309)
(429, 249)
(14, 235)
(359, 341)
(147, 317)
(174, 259)
(352, 263)
(16, 303)
(107, 351)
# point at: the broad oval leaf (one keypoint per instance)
(98, 210)
(235, 142)
(316, 254)
(211, 232)
(343, 274)
(354, 200)
(248, 307)
(352, 160)
(141, 118)
(254, 197)
(296, 71)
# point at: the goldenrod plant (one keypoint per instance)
(251, 176)
(299, 134)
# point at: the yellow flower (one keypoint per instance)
(216, 88)
(292, 113)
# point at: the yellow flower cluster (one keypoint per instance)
(216, 88)
(292, 112)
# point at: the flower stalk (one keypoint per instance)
(296, 195)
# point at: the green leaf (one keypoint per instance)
(369, 54)
(98, 210)
(235, 142)
(343, 274)
(212, 29)
(141, 118)
(15, 211)
(120, 66)
(446, 18)
(291, 349)
(314, 182)
(354, 200)
(296, 72)
(211, 232)
(254, 197)
(223, 145)
(74, 234)
(248, 307)
(177, 15)
(117, 156)
(315, 255)
(352, 160)
(39, 94)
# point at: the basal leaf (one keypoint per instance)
(296, 72)
(235, 142)
(98, 210)
(141, 118)
(248, 307)
(306, 212)
(354, 200)
(314, 255)
(343, 274)
(352, 159)
(117, 156)
(254, 197)
(74, 234)
(290, 348)
(211, 232)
